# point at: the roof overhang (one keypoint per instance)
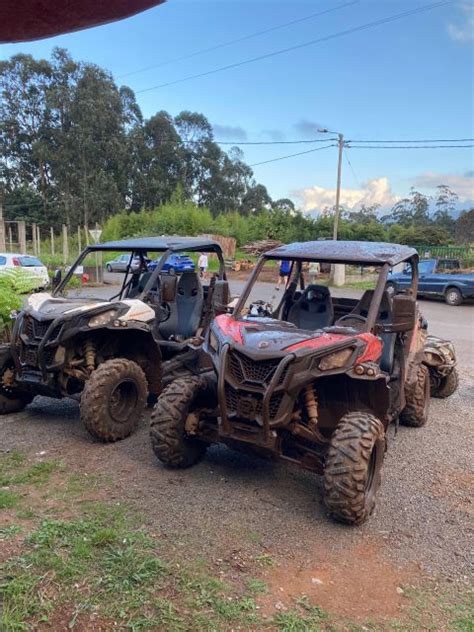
(25, 20)
(348, 252)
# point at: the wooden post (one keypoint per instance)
(22, 237)
(51, 231)
(79, 246)
(3, 246)
(10, 237)
(38, 240)
(33, 237)
(86, 231)
(65, 245)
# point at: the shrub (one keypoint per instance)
(14, 285)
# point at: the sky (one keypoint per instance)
(407, 79)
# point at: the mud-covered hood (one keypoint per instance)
(43, 306)
(266, 334)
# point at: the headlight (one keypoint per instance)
(335, 360)
(99, 320)
(213, 342)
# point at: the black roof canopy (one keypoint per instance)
(175, 243)
(350, 252)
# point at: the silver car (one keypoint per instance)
(120, 263)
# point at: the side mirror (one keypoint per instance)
(57, 276)
(403, 315)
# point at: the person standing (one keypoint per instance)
(203, 264)
(314, 270)
(283, 273)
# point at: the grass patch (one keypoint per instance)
(8, 499)
(15, 471)
(256, 586)
(9, 532)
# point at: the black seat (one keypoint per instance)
(189, 304)
(383, 317)
(313, 309)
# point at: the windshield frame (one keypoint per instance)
(295, 272)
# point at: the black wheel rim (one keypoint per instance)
(123, 401)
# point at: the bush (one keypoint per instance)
(14, 285)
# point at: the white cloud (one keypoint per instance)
(463, 30)
(375, 191)
(229, 132)
(463, 185)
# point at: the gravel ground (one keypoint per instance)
(231, 500)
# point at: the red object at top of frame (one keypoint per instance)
(25, 20)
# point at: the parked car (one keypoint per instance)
(32, 266)
(175, 264)
(311, 378)
(121, 263)
(437, 277)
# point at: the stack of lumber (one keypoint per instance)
(256, 248)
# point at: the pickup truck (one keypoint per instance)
(437, 278)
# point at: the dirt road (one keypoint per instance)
(234, 504)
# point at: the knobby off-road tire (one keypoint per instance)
(13, 403)
(417, 396)
(447, 385)
(11, 400)
(353, 464)
(169, 440)
(113, 399)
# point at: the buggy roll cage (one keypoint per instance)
(369, 325)
(140, 251)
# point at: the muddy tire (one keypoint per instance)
(447, 385)
(352, 469)
(13, 404)
(11, 400)
(417, 396)
(172, 445)
(113, 399)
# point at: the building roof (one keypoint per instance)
(159, 244)
(350, 252)
(24, 20)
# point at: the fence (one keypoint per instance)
(464, 253)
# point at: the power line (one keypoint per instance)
(407, 146)
(355, 29)
(352, 168)
(237, 40)
(300, 153)
(433, 140)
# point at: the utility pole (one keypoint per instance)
(337, 210)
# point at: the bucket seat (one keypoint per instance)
(313, 309)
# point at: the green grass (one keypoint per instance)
(9, 532)
(8, 499)
(102, 565)
(15, 471)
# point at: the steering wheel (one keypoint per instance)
(162, 312)
(260, 309)
(358, 317)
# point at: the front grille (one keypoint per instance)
(36, 329)
(247, 371)
(250, 406)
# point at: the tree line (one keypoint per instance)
(75, 149)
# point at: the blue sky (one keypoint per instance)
(409, 79)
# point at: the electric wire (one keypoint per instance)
(408, 146)
(237, 40)
(362, 27)
(300, 153)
